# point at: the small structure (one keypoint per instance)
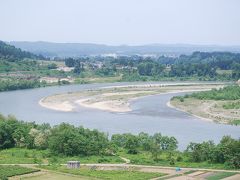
(73, 164)
(178, 169)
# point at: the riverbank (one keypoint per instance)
(117, 98)
(210, 110)
(169, 104)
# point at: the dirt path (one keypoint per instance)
(127, 161)
(137, 166)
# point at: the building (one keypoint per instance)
(73, 164)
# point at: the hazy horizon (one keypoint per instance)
(148, 44)
(134, 22)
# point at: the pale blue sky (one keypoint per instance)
(117, 22)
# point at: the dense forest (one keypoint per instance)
(67, 140)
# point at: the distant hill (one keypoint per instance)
(80, 49)
(12, 53)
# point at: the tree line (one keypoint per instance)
(68, 140)
(201, 65)
(16, 83)
(225, 93)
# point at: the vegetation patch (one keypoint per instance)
(235, 122)
(23, 142)
(233, 105)
(226, 93)
(190, 172)
(220, 175)
(9, 171)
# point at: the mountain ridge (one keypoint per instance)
(53, 49)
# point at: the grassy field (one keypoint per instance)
(146, 159)
(106, 174)
(220, 175)
(9, 171)
(30, 156)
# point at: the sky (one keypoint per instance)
(122, 22)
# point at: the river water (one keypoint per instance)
(150, 114)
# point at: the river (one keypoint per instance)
(150, 114)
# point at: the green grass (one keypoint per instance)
(190, 172)
(33, 156)
(232, 105)
(220, 175)
(23, 156)
(88, 159)
(235, 122)
(106, 174)
(9, 171)
(145, 158)
(87, 80)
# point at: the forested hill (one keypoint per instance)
(11, 53)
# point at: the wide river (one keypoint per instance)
(150, 114)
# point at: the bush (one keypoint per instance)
(179, 158)
(181, 99)
(2, 177)
(101, 160)
(172, 161)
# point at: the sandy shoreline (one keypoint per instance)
(116, 98)
(65, 106)
(205, 119)
(110, 106)
(209, 110)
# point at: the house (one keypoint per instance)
(73, 164)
